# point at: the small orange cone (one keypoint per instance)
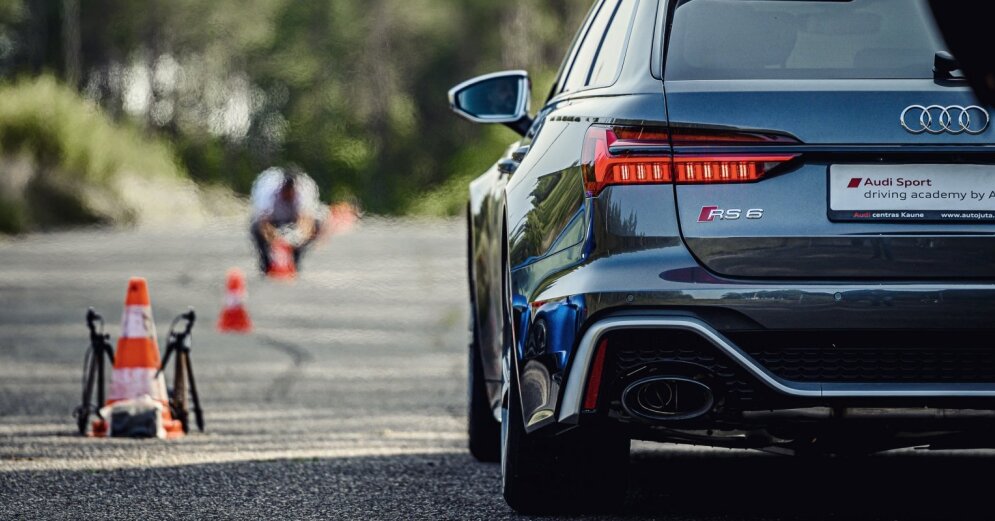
(234, 318)
(343, 217)
(281, 257)
(136, 362)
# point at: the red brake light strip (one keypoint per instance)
(602, 169)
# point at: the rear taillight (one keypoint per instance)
(602, 168)
(626, 155)
(725, 168)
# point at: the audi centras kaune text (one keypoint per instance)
(760, 224)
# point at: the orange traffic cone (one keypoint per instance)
(342, 218)
(136, 363)
(281, 256)
(234, 318)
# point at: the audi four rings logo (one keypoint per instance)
(937, 119)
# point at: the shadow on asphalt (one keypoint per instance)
(680, 486)
(760, 486)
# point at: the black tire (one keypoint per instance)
(483, 429)
(575, 472)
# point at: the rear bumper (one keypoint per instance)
(638, 275)
(579, 370)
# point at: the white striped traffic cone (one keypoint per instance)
(136, 361)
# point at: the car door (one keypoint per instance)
(549, 213)
(488, 234)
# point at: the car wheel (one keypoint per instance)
(483, 429)
(574, 472)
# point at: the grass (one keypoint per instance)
(449, 198)
(75, 150)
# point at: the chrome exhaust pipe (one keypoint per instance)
(667, 398)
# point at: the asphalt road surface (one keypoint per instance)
(347, 402)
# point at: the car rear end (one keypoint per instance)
(806, 250)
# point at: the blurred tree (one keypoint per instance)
(352, 90)
(70, 42)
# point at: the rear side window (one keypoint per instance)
(793, 39)
(609, 58)
(581, 69)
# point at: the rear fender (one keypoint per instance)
(548, 334)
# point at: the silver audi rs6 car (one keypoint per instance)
(763, 224)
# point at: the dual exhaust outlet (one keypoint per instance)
(667, 398)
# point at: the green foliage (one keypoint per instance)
(13, 218)
(58, 128)
(71, 146)
(353, 91)
(450, 197)
(472, 159)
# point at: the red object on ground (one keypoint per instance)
(234, 317)
(281, 256)
(342, 217)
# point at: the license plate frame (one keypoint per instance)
(911, 193)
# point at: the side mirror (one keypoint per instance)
(500, 97)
